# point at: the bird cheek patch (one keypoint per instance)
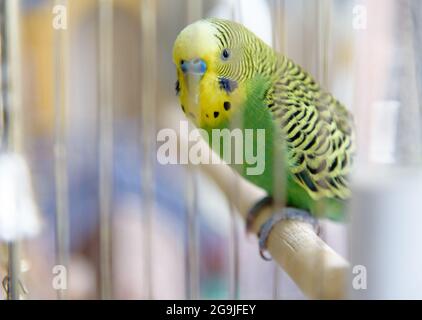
(227, 85)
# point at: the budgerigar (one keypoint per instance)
(225, 70)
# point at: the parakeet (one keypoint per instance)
(225, 71)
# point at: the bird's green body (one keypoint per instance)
(308, 133)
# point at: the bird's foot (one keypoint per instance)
(285, 214)
(256, 209)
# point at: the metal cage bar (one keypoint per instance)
(148, 126)
(323, 27)
(279, 44)
(12, 113)
(105, 78)
(234, 245)
(192, 277)
(62, 237)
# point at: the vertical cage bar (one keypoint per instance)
(279, 45)
(60, 146)
(323, 21)
(13, 48)
(105, 79)
(13, 270)
(4, 123)
(237, 122)
(279, 26)
(194, 9)
(193, 241)
(148, 118)
(234, 247)
(236, 10)
(324, 36)
(410, 137)
(12, 108)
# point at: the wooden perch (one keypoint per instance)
(317, 270)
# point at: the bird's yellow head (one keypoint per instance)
(208, 55)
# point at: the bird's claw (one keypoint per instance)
(256, 209)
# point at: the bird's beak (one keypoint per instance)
(193, 71)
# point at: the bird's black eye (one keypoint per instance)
(225, 54)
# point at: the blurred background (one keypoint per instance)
(86, 85)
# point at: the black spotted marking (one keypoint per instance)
(296, 136)
(207, 115)
(227, 84)
(311, 143)
(304, 177)
(303, 116)
(301, 159)
(216, 114)
(294, 125)
(183, 108)
(333, 165)
(227, 105)
(287, 121)
(314, 124)
(177, 87)
(296, 113)
(300, 142)
(332, 183)
(311, 115)
(334, 146)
